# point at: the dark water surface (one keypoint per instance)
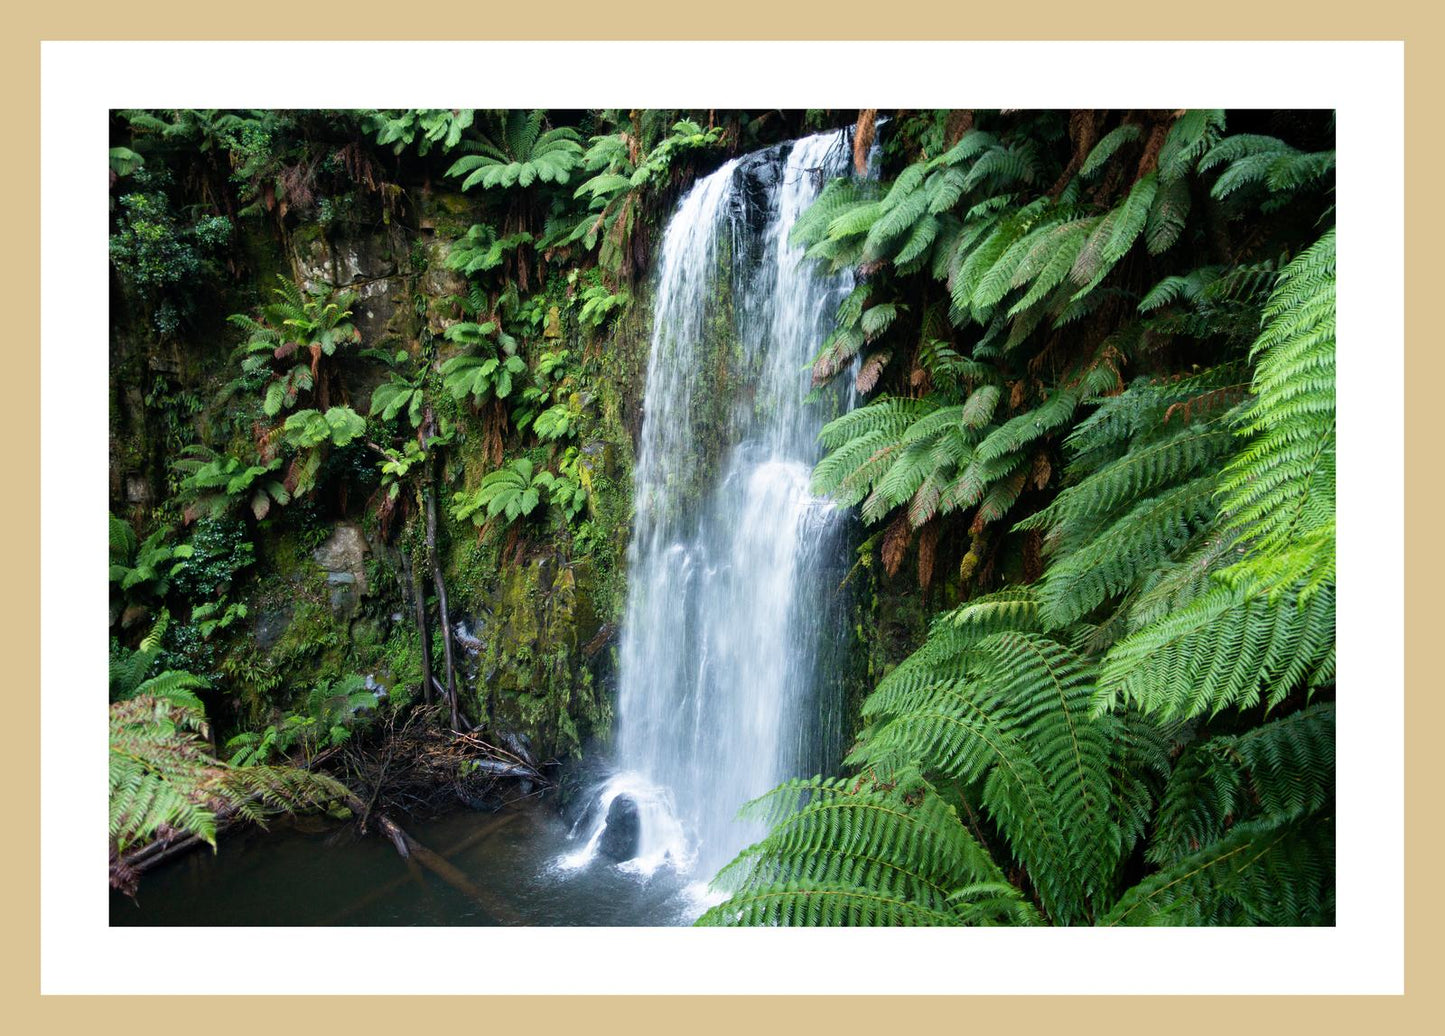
(310, 872)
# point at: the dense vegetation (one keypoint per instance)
(376, 378)
(374, 387)
(1111, 345)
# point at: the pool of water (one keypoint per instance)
(311, 872)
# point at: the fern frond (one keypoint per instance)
(175, 686)
(1106, 147)
(1113, 236)
(1016, 433)
(862, 855)
(1282, 770)
(1281, 486)
(1112, 561)
(1261, 873)
(1167, 216)
(1079, 510)
(1191, 135)
(1225, 649)
(1017, 721)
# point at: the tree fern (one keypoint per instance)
(1105, 149)
(144, 566)
(1050, 261)
(1270, 627)
(1282, 770)
(522, 154)
(1190, 136)
(1016, 724)
(1168, 215)
(1146, 536)
(132, 676)
(1121, 715)
(1247, 160)
(1113, 236)
(1138, 473)
(1016, 433)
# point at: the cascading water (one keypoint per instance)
(729, 644)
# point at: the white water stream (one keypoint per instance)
(728, 681)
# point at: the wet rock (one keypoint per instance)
(345, 595)
(134, 614)
(465, 638)
(439, 280)
(598, 457)
(359, 261)
(519, 745)
(137, 489)
(271, 625)
(344, 552)
(623, 833)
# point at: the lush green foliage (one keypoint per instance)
(295, 331)
(213, 484)
(132, 676)
(144, 568)
(520, 153)
(333, 710)
(422, 127)
(1123, 736)
(164, 781)
(616, 191)
(158, 253)
(154, 251)
(515, 491)
(411, 318)
(1097, 356)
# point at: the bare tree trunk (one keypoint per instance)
(445, 615)
(418, 593)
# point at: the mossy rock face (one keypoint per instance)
(444, 215)
(370, 263)
(539, 609)
(532, 674)
(453, 203)
(343, 560)
(440, 285)
(271, 624)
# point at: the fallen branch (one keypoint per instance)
(411, 849)
(521, 766)
(381, 892)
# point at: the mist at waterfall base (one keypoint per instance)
(734, 621)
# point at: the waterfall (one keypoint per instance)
(728, 681)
